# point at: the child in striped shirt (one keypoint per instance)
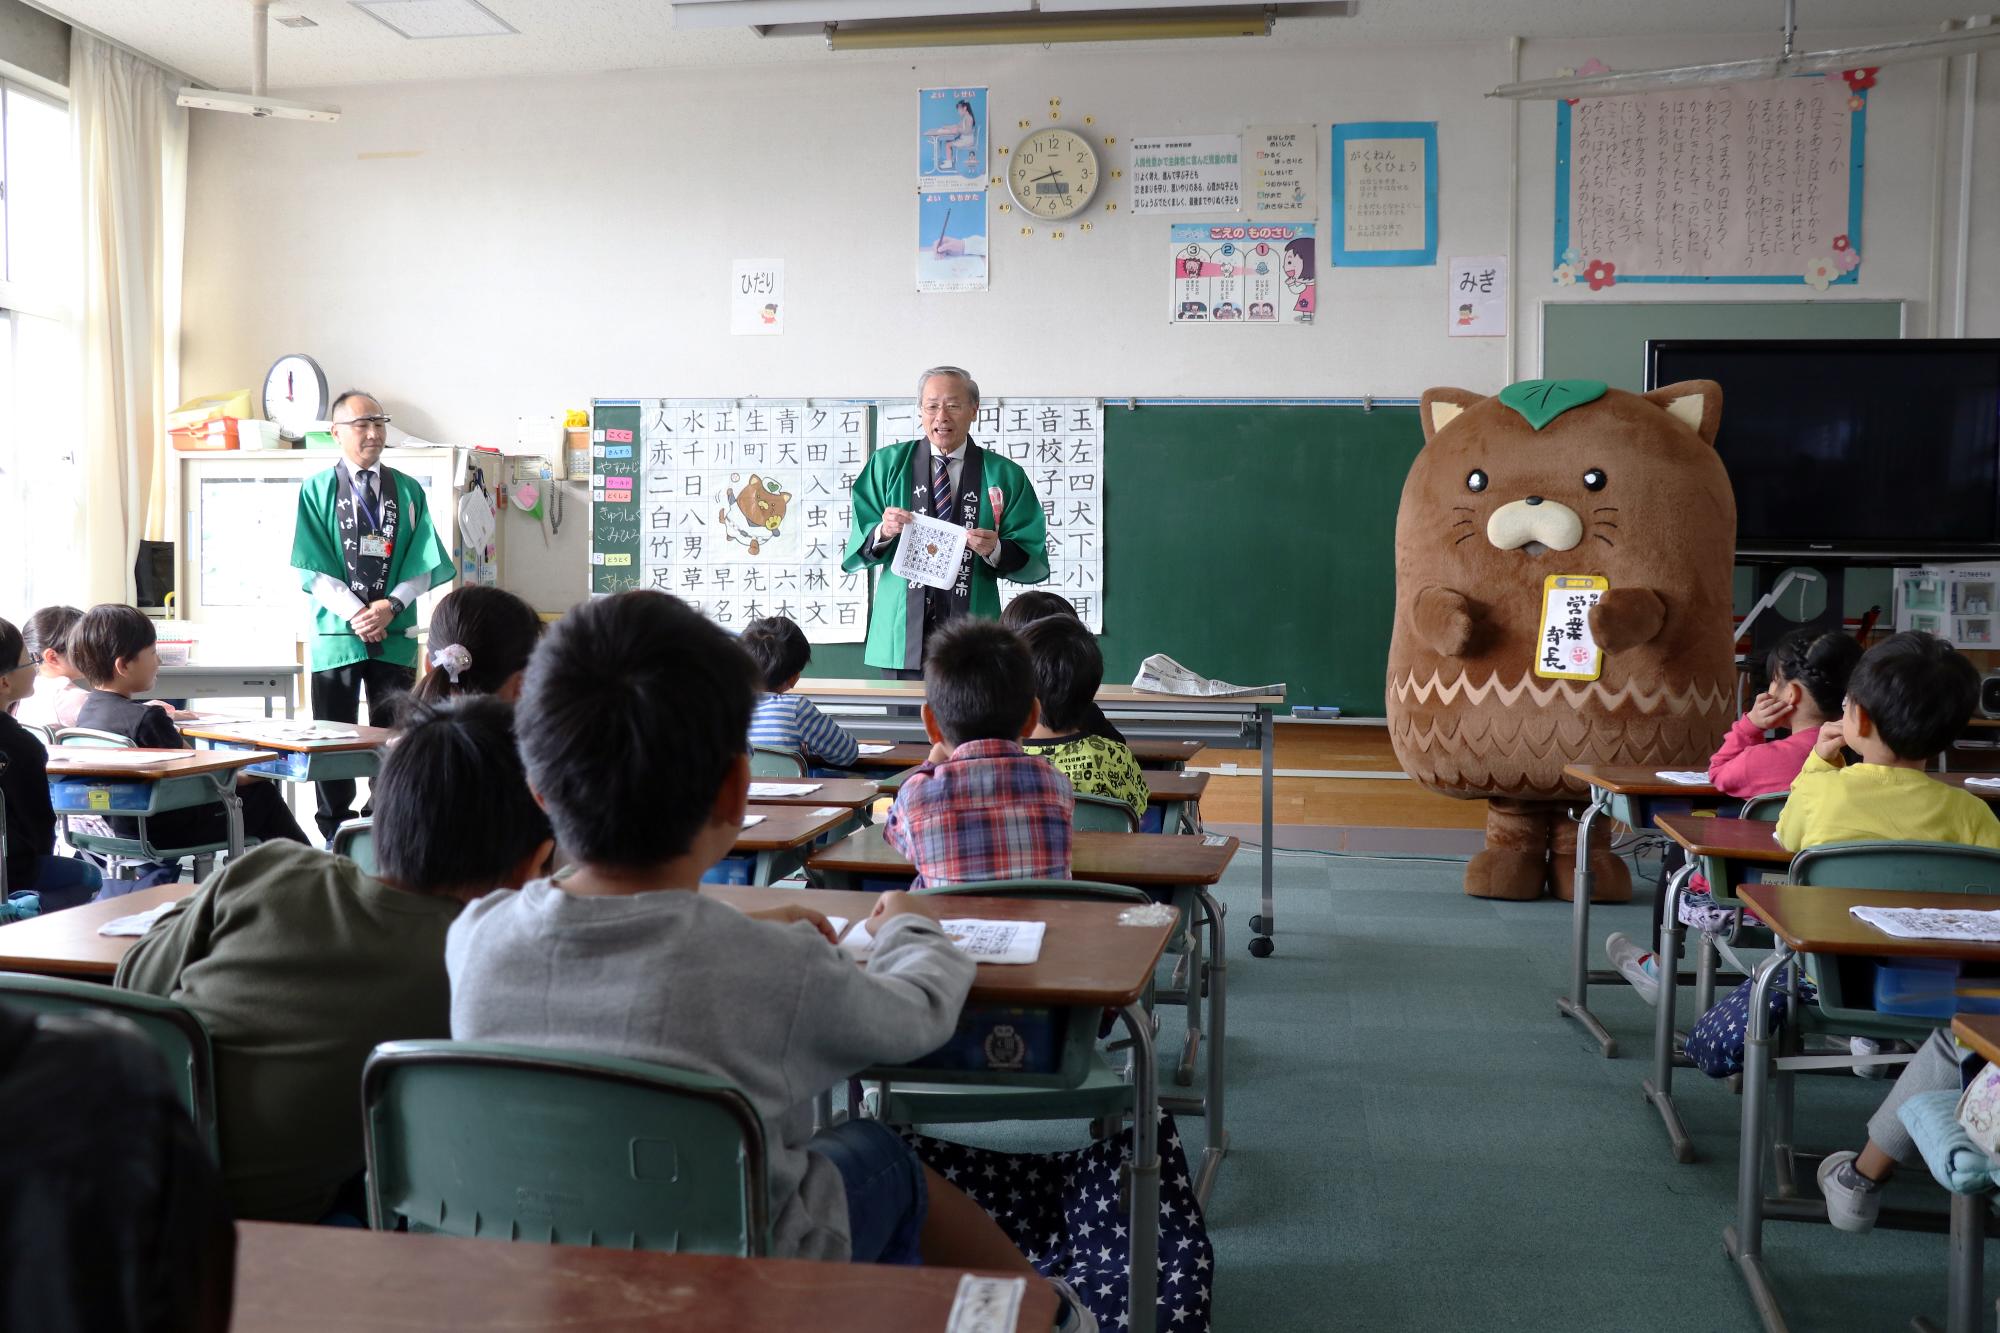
(783, 720)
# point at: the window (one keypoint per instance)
(38, 349)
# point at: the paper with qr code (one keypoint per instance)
(930, 552)
(986, 1305)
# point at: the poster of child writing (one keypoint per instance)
(951, 241)
(951, 139)
(1243, 273)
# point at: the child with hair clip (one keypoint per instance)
(480, 639)
(1809, 671)
(58, 692)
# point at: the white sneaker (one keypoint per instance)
(1072, 1316)
(1853, 1201)
(1869, 1046)
(1638, 966)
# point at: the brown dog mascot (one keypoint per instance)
(1491, 684)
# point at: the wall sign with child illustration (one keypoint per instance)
(1553, 502)
(1245, 272)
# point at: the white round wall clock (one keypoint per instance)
(1053, 173)
(295, 395)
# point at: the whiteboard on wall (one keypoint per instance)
(237, 519)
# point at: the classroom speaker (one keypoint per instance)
(1989, 695)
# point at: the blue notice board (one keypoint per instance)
(1383, 172)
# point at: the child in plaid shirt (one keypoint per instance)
(988, 809)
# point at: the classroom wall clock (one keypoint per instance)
(295, 395)
(1053, 173)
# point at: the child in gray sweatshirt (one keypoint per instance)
(631, 722)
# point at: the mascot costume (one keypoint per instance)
(1563, 562)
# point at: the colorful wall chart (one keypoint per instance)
(951, 138)
(1751, 182)
(1240, 273)
(1385, 184)
(951, 241)
(1060, 442)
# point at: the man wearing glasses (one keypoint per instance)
(364, 548)
(947, 476)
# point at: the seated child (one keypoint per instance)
(58, 695)
(1036, 604)
(783, 720)
(479, 643)
(299, 962)
(112, 646)
(1068, 670)
(632, 725)
(1908, 700)
(981, 808)
(32, 864)
(1809, 671)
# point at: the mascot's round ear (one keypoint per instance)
(1439, 406)
(1696, 404)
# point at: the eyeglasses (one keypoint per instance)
(953, 405)
(25, 666)
(364, 423)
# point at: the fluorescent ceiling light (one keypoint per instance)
(742, 13)
(1036, 31)
(254, 104)
(1934, 46)
(422, 20)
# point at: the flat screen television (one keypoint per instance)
(1865, 451)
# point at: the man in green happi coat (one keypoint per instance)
(947, 476)
(364, 548)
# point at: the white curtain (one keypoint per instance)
(131, 159)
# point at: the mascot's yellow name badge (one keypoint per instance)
(1566, 651)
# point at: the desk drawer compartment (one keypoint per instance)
(90, 798)
(1034, 1045)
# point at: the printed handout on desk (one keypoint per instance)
(287, 731)
(752, 821)
(138, 923)
(1932, 923)
(872, 747)
(769, 789)
(1983, 782)
(986, 1305)
(1686, 777)
(1163, 675)
(986, 941)
(117, 758)
(930, 552)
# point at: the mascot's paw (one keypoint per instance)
(1613, 883)
(1624, 618)
(1510, 876)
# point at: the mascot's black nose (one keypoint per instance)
(1534, 499)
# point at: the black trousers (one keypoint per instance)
(336, 697)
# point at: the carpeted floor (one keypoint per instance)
(1420, 1142)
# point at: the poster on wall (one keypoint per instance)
(1060, 444)
(1756, 182)
(951, 139)
(1959, 603)
(743, 508)
(1242, 273)
(1476, 301)
(1385, 182)
(757, 297)
(1283, 166)
(951, 241)
(1199, 173)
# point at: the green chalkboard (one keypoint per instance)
(1253, 543)
(1606, 340)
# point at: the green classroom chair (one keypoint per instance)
(766, 762)
(172, 1027)
(1104, 814)
(1085, 1087)
(477, 1139)
(355, 840)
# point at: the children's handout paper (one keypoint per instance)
(752, 821)
(872, 747)
(763, 790)
(1932, 923)
(986, 1305)
(929, 552)
(1686, 777)
(986, 941)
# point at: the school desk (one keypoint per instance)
(1983, 790)
(330, 758)
(228, 682)
(1812, 920)
(1091, 960)
(66, 943)
(779, 841)
(1245, 720)
(304, 1279)
(86, 780)
(1175, 866)
(1626, 793)
(1741, 841)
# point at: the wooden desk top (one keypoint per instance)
(1736, 839)
(1812, 919)
(848, 793)
(788, 826)
(241, 733)
(1138, 859)
(1162, 787)
(1150, 754)
(300, 1279)
(1122, 696)
(1635, 780)
(1088, 958)
(1991, 795)
(66, 944)
(84, 761)
(1979, 1031)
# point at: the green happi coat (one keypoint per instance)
(886, 482)
(316, 550)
